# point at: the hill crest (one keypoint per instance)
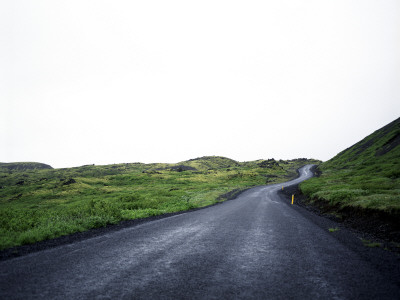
(23, 166)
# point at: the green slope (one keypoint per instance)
(38, 204)
(366, 175)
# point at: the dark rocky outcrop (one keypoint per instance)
(269, 163)
(69, 181)
(181, 168)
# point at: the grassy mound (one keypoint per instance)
(38, 204)
(23, 166)
(365, 176)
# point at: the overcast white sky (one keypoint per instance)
(104, 82)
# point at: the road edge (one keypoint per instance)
(379, 234)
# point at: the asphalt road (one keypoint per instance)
(257, 246)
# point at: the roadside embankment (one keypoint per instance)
(374, 225)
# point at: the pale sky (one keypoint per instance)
(102, 82)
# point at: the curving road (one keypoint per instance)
(257, 247)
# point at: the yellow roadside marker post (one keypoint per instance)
(282, 187)
(292, 199)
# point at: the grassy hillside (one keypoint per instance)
(38, 204)
(366, 175)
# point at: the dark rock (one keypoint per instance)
(317, 171)
(270, 163)
(269, 178)
(150, 172)
(69, 181)
(15, 197)
(389, 145)
(181, 168)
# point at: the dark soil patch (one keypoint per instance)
(389, 145)
(152, 171)
(15, 197)
(69, 181)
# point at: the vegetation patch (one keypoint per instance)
(366, 175)
(43, 203)
(371, 244)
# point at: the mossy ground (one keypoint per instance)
(38, 204)
(366, 175)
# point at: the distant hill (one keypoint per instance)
(210, 162)
(365, 175)
(23, 166)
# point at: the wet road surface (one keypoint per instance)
(254, 247)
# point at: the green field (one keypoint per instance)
(366, 175)
(38, 202)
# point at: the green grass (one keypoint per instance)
(38, 204)
(371, 244)
(366, 175)
(333, 229)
